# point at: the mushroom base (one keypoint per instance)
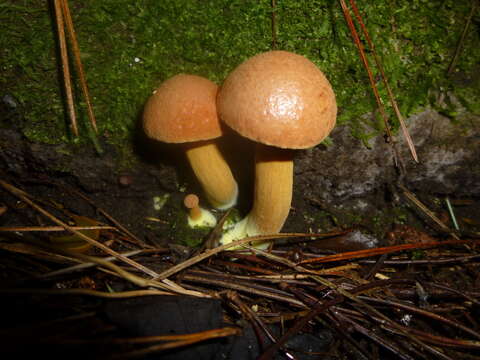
(205, 219)
(241, 230)
(272, 197)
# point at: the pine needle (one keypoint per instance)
(65, 67)
(391, 97)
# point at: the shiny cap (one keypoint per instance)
(182, 110)
(278, 98)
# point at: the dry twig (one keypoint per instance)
(65, 66)
(78, 62)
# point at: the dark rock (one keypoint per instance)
(448, 152)
(348, 171)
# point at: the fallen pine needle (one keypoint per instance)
(24, 197)
(87, 292)
(175, 341)
(383, 250)
(208, 253)
(52, 228)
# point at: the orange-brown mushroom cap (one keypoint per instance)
(278, 98)
(182, 109)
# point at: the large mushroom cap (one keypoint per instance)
(278, 98)
(182, 110)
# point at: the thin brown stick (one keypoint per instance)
(328, 320)
(177, 341)
(364, 59)
(301, 294)
(108, 216)
(275, 279)
(410, 196)
(52, 228)
(283, 261)
(208, 334)
(208, 253)
(459, 293)
(381, 108)
(376, 268)
(172, 339)
(86, 292)
(137, 280)
(460, 259)
(231, 265)
(78, 62)
(413, 309)
(384, 250)
(391, 97)
(285, 277)
(65, 67)
(213, 239)
(298, 326)
(85, 265)
(459, 47)
(246, 288)
(438, 340)
(20, 194)
(27, 249)
(394, 348)
(250, 315)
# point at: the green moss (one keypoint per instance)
(185, 235)
(130, 47)
(469, 96)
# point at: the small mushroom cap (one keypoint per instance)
(278, 98)
(191, 201)
(182, 109)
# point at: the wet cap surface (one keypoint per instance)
(182, 109)
(278, 98)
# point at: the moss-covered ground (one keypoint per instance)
(129, 47)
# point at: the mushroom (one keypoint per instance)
(183, 110)
(282, 101)
(197, 216)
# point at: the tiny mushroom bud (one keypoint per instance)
(191, 202)
(183, 110)
(282, 101)
(198, 217)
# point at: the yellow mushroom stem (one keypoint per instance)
(273, 190)
(213, 173)
(272, 196)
